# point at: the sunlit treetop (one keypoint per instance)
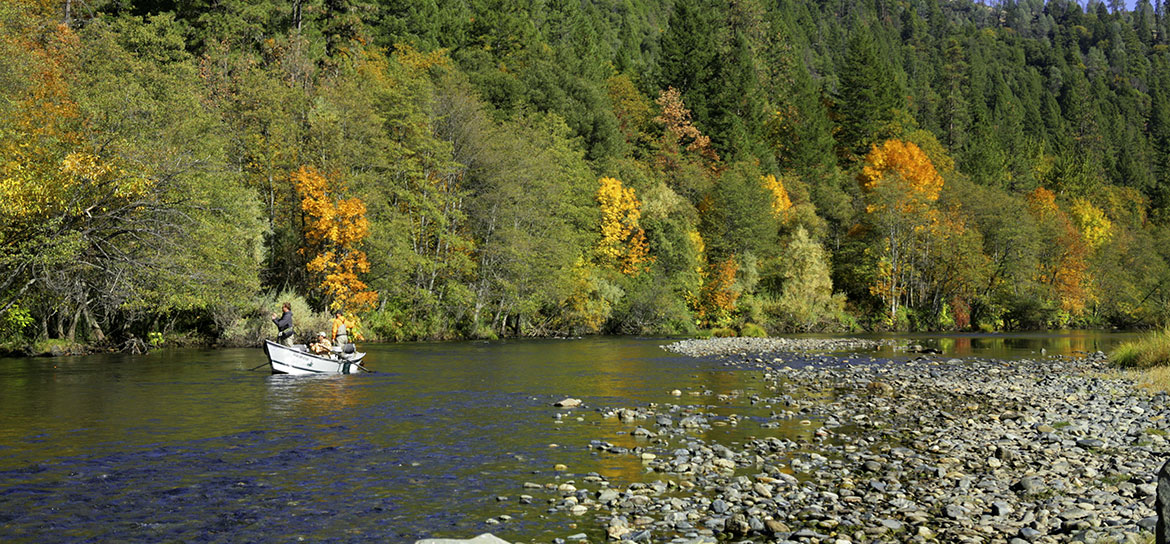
(904, 164)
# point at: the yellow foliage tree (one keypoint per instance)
(623, 242)
(58, 188)
(1094, 226)
(418, 61)
(780, 201)
(334, 229)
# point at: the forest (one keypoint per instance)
(171, 171)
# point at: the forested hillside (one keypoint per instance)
(482, 168)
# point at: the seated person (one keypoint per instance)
(322, 345)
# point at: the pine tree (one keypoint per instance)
(689, 55)
(870, 101)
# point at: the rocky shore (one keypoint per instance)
(749, 346)
(920, 450)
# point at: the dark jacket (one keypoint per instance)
(284, 323)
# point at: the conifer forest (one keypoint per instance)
(171, 171)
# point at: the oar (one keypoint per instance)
(258, 368)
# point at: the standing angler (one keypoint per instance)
(284, 324)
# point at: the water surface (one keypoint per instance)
(188, 445)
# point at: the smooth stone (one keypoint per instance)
(955, 511)
(891, 524)
(486, 538)
(1028, 486)
(568, 403)
(1029, 533)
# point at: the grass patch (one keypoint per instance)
(1061, 424)
(1150, 351)
(1154, 379)
(1115, 478)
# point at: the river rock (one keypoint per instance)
(568, 403)
(971, 450)
(486, 538)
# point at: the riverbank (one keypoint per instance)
(954, 450)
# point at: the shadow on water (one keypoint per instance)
(187, 445)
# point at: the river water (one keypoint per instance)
(189, 445)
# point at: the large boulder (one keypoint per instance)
(1162, 505)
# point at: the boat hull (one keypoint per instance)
(292, 360)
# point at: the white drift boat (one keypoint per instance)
(298, 360)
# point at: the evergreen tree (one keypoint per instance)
(869, 102)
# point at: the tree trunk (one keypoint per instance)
(73, 324)
(95, 328)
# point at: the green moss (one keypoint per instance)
(58, 346)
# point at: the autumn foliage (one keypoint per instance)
(780, 201)
(1064, 263)
(905, 165)
(334, 229)
(720, 293)
(623, 242)
(677, 120)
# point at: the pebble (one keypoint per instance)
(950, 450)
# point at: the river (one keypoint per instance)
(189, 445)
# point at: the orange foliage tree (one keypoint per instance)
(901, 186)
(719, 293)
(623, 242)
(677, 120)
(905, 165)
(334, 229)
(924, 257)
(1063, 262)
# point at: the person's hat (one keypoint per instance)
(321, 333)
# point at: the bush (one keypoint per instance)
(1151, 350)
(753, 330)
(651, 307)
(13, 327)
(251, 325)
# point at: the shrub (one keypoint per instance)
(723, 332)
(753, 330)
